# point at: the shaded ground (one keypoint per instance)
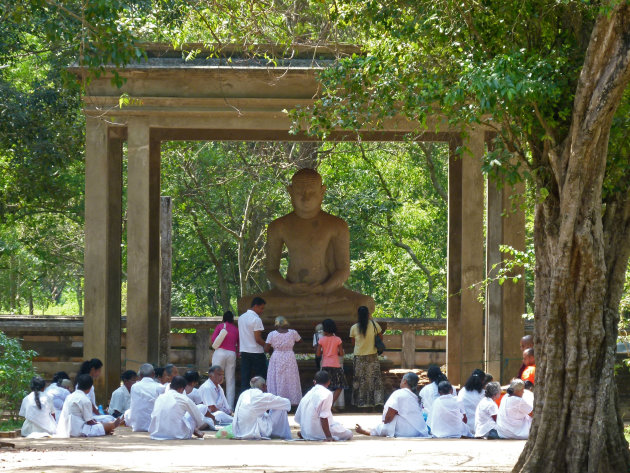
(131, 452)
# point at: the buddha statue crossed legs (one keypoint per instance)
(318, 246)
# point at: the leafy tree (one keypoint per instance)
(16, 371)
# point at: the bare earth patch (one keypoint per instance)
(135, 452)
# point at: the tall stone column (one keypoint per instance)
(102, 265)
(465, 331)
(143, 245)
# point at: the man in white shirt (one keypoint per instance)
(143, 396)
(261, 415)
(174, 415)
(213, 397)
(192, 385)
(314, 414)
(251, 343)
(77, 418)
(121, 397)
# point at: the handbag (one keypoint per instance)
(219, 340)
(378, 341)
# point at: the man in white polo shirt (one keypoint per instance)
(251, 343)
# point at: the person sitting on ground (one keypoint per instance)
(170, 371)
(526, 342)
(470, 396)
(261, 415)
(192, 385)
(159, 374)
(447, 418)
(430, 392)
(314, 413)
(143, 395)
(77, 418)
(174, 415)
(402, 413)
(121, 397)
(59, 390)
(529, 373)
(213, 397)
(38, 411)
(515, 413)
(486, 412)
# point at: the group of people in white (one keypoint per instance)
(177, 407)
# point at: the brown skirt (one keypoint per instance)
(337, 378)
(367, 385)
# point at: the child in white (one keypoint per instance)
(77, 417)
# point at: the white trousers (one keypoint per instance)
(226, 359)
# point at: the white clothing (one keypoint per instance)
(37, 420)
(315, 405)
(248, 323)
(213, 395)
(468, 400)
(484, 422)
(428, 394)
(253, 422)
(143, 396)
(58, 394)
(226, 359)
(408, 422)
(513, 420)
(121, 401)
(174, 416)
(528, 396)
(447, 418)
(194, 396)
(75, 415)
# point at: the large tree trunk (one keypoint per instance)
(580, 262)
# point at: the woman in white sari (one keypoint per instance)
(402, 414)
(38, 411)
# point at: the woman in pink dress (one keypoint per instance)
(283, 377)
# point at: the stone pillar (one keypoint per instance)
(166, 240)
(103, 226)
(143, 246)
(505, 303)
(513, 294)
(465, 331)
(494, 291)
(408, 359)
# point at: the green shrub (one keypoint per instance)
(16, 371)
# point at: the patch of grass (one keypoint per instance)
(626, 432)
(10, 424)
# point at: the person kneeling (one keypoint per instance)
(251, 419)
(77, 418)
(447, 419)
(174, 415)
(402, 413)
(314, 414)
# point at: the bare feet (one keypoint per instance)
(360, 430)
(299, 434)
(197, 433)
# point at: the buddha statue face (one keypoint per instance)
(307, 193)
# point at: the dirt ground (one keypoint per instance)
(131, 452)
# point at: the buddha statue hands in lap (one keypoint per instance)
(318, 246)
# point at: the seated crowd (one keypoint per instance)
(169, 406)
